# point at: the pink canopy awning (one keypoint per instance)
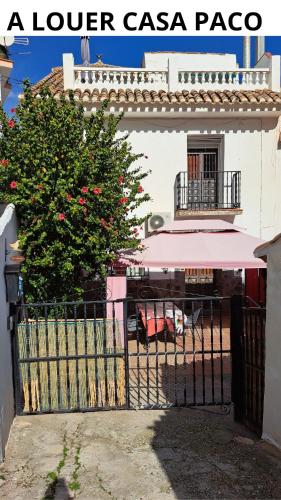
(197, 245)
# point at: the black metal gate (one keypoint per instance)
(70, 357)
(248, 354)
(179, 352)
(97, 355)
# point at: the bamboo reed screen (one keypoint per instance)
(69, 383)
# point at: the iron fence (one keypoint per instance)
(133, 353)
(179, 352)
(248, 354)
(208, 190)
(254, 365)
(69, 356)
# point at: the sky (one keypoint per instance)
(43, 53)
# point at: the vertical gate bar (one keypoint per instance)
(76, 352)
(185, 365)
(38, 356)
(212, 351)
(126, 354)
(251, 368)
(105, 323)
(203, 352)
(66, 353)
(247, 367)
(194, 353)
(139, 378)
(248, 364)
(85, 321)
(27, 333)
(166, 356)
(156, 352)
(147, 355)
(57, 354)
(255, 354)
(96, 359)
(175, 356)
(236, 336)
(16, 364)
(114, 355)
(221, 354)
(263, 361)
(47, 355)
(260, 365)
(260, 370)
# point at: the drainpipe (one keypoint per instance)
(246, 51)
(260, 47)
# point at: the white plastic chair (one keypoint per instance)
(191, 321)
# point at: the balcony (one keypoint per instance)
(175, 72)
(132, 78)
(212, 192)
(120, 78)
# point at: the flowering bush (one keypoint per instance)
(75, 186)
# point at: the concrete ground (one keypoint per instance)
(157, 454)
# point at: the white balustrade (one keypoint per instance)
(243, 79)
(134, 78)
(120, 78)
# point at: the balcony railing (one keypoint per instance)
(237, 79)
(114, 78)
(211, 190)
(121, 78)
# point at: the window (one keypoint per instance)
(199, 276)
(202, 163)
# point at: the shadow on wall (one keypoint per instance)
(180, 125)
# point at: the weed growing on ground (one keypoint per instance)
(53, 476)
(74, 485)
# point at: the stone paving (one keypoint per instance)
(137, 455)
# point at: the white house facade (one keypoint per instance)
(209, 129)
(6, 66)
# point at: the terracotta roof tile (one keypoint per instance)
(54, 81)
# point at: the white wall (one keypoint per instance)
(272, 396)
(189, 61)
(7, 235)
(250, 145)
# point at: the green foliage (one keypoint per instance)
(74, 485)
(53, 476)
(75, 186)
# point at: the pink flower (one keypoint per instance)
(84, 189)
(120, 179)
(68, 197)
(39, 186)
(135, 230)
(140, 189)
(123, 200)
(111, 220)
(103, 222)
(97, 190)
(82, 201)
(11, 123)
(61, 216)
(13, 110)
(5, 163)
(13, 185)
